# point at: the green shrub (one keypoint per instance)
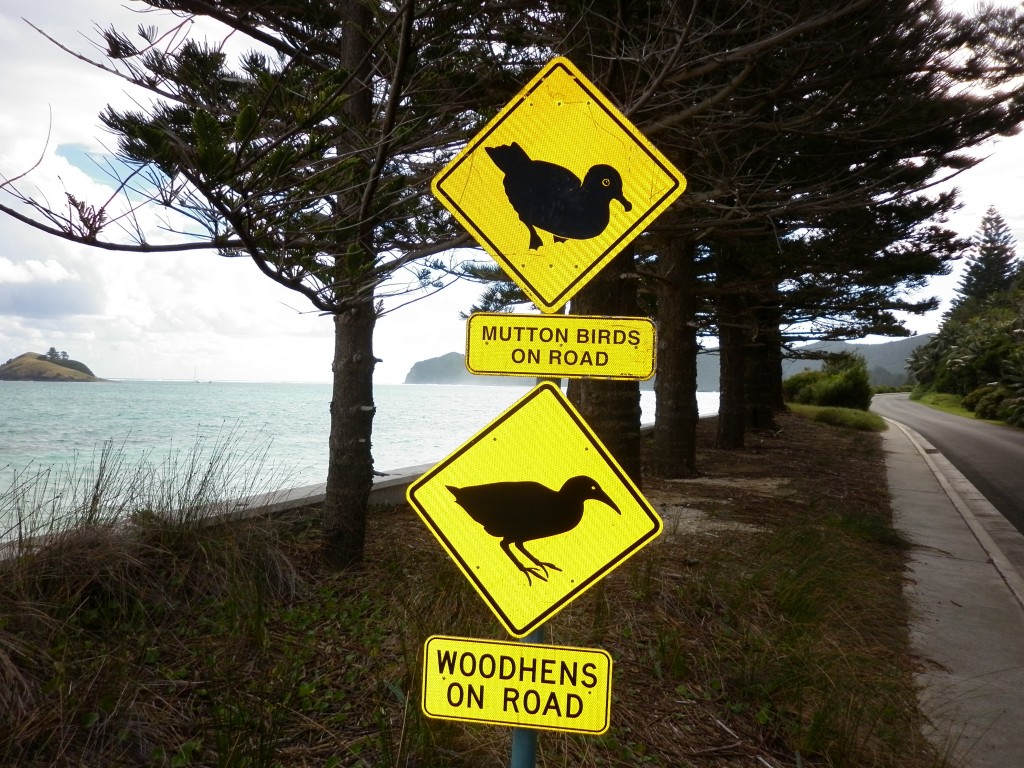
(972, 398)
(850, 389)
(947, 380)
(797, 387)
(843, 384)
(1013, 408)
(990, 406)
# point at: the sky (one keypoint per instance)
(197, 315)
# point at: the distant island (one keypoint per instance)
(451, 369)
(54, 366)
(886, 364)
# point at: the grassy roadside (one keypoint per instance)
(841, 417)
(765, 627)
(953, 404)
(946, 403)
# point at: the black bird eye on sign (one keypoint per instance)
(557, 184)
(528, 533)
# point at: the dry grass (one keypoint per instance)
(765, 628)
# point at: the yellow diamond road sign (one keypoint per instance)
(518, 684)
(557, 184)
(534, 509)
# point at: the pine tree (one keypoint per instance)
(992, 262)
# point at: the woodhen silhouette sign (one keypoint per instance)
(560, 346)
(534, 510)
(517, 684)
(557, 184)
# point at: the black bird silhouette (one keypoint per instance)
(517, 512)
(549, 197)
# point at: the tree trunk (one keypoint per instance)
(732, 348)
(764, 367)
(675, 385)
(759, 376)
(611, 408)
(350, 460)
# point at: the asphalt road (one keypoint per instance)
(989, 456)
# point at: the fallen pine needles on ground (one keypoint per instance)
(765, 627)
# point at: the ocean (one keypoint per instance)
(279, 429)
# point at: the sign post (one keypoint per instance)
(524, 740)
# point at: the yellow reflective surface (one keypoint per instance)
(558, 119)
(517, 684)
(536, 466)
(560, 346)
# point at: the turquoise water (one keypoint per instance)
(44, 424)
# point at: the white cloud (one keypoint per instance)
(50, 271)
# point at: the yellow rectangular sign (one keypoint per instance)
(560, 346)
(518, 684)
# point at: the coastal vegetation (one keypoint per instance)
(766, 626)
(976, 360)
(810, 134)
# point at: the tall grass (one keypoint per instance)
(97, 561)
(200, 481)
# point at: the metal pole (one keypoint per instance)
(524, 740)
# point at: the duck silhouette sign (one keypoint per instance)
(550, 197)
(557, 184)
(534, 510)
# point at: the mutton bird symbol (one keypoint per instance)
(552, 198)
(517, 512)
